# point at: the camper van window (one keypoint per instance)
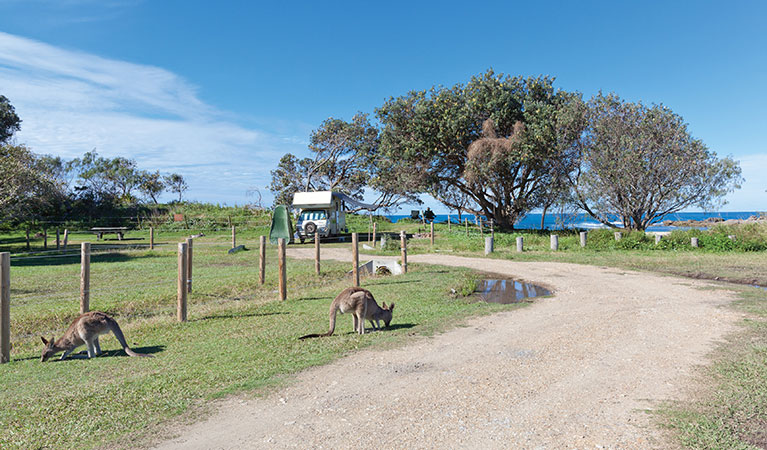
(313, 214)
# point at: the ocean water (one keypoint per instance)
(557, 222)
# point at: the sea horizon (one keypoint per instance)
(584, 221)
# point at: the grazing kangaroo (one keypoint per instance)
(86, 330)
(362, 305)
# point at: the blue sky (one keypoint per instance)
(218, 91)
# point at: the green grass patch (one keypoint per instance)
(730, 411)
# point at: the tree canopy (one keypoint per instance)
(641, 163)
(345, 158)
(435, 143)
(9, 121)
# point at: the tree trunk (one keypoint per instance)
(543, 215)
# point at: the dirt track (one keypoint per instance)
(574, 371)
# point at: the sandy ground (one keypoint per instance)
(577, 370)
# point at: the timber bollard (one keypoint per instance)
(85, 277)
(262, 259)
(58, 239)
(403, 247)
(658, 237)
(432, 233)
(5, 307)
(555, 242)
(182, 279)
(282, 269)
(189, 243)
(694, 242)
(356, 258)
(234, 237)
(374, 233)
(584, 236)
(488, 245)
(28, 239)
(317, 250)
(618, 235)
(520, 244)
(45, 239)
(66, 238)
(151, 238)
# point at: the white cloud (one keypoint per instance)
(71, 102)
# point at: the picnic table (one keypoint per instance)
(101, 231)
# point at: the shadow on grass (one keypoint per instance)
(61, 259)
(385, 282)
(83, 354)
(238, 316)
(399, 326)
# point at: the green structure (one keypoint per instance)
(281, 226)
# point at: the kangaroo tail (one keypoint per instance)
(121, 338)
(333, 312)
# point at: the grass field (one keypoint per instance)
(239, 338)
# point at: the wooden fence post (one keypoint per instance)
(189, 258)
(45, 239)
(488, 245)
(182, 279)
(694, 242)
(317, 250)
(403, 247)
(58, 239)
(66, 238)
(282, 269)
(151, 238)
(658, 237)
(28, 247)
(618, 235)
(584, 235)
(374, 234)
(520, 244)
(5, 307)
(356, 259)
(554, 242)
(262, 259)
(85, 277)
(431, 235)
(234, 237)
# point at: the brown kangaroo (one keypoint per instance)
(362, 305)
(86, 330)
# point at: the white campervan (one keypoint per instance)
(323, 212)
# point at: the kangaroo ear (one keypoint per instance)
(383, 305)
(44, 341)
(391, 307)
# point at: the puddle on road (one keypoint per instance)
(508, 291)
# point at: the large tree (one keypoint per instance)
(176, 183)
(527, 144)
(9, 121)
(641, 163)
(27, 186)
(345, 159)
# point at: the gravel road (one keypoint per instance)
(577, 370)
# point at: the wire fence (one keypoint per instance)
(47, 294)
